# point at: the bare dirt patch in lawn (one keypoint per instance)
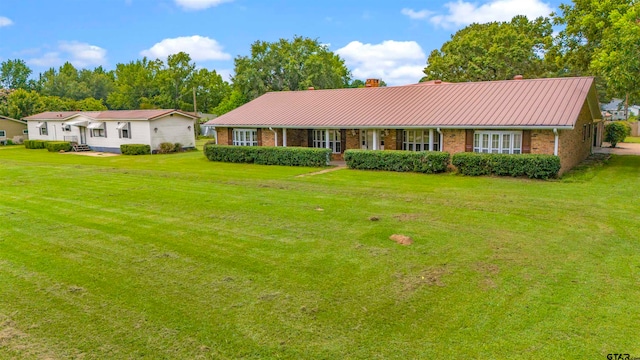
(406, 217)
(488, 271)
(428, 277)
(91, 153)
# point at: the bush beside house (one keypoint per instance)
(57, 146)
(535, 166)
(616, 132)
(268, 155)
(428, 162)
(34, 144)
(135, 149)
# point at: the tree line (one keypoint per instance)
(598, 38)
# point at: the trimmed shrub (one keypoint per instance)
(34, 144)
(428, 162)
(177, 147)
(615, 132)
(166, 148)
(535, 166)
(268, 155)
(57, 146)
(135, 149)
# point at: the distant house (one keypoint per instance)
(616, 109)
(541, 116)
(107, 130)
(10, 128)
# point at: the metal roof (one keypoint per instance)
(512, 103)
(108, 115)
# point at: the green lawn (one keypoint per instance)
(632, 139)
(172, 256)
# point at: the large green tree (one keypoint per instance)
(176, 80)
(288, 65)
(136, 85)
(493, 51)
(211, 89)
(584, 25)
(14, 74)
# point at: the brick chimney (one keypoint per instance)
(372, 83)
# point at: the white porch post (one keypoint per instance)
(326, 138)
(430, 139)
(284, 137)
(375, 139)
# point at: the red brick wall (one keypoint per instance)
(542, 142)
(223, 135)
(453, 140)
(353, 139)
(297, 137)
(573, 148)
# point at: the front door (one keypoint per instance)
(83, 135)
(367, 139)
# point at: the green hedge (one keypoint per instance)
(57, 146)
(428, 162)
(135, 149)
(268, 155)
(535, 166)
(34, 144)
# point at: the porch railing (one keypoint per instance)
(72, 139)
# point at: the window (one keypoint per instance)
(335, 138)
(66, 127)
(245, 137)
(42, 128)
(98, 129)
(3, 133)
(124, 130)
(25, 132)
(418, 140)
(497, 142)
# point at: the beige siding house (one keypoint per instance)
(107, 130)
(558, 116)
(10, 128)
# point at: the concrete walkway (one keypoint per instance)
(620, 149)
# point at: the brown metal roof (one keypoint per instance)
(512, 103)
(109, 114)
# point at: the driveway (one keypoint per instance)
(620, 149)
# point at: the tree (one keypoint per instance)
(493, 51)
(136, 85)
(357, 83)
(176, 79)
(233, 100)
(616, 132)
(288, 65)
(617, 59)
(210, 89)
(585, 22)
(22, 103)
(14, 74)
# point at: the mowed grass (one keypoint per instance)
(173, 256)
(632, 139)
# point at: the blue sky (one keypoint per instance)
(377, 38)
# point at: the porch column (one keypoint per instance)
(430, 139)
(326, 138)
(375, 139)
(284, 137)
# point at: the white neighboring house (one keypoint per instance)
(107, 130)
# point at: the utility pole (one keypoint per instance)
(195, 113)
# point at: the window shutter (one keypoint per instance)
(399, 138)
(309, 138)
(230, 136)
(129, 129)
(259, 136)
(90, 132)
(526, 141)
(119, 132)
(105, 128)
(343, 140)
(468, 143)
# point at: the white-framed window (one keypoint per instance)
(124, 130)
(245, 137)
(42, 128)
(98, 129)
(418, 140)
(335, 138)
(3, 133)
(97, 132)
(66, 127)
(497, 142)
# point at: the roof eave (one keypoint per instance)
(456, 127)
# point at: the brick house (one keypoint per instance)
(558, 116)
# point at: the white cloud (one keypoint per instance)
(80, 54)
(395, 62)
(199, 4)
(462, 13)
(5, 21)
(200, 48)
(416, 15)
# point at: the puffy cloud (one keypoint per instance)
(80, 54)
(5, 21)
(395, 62)
(462, 13)
(416, 15)
(199, 4)
(200, 48)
